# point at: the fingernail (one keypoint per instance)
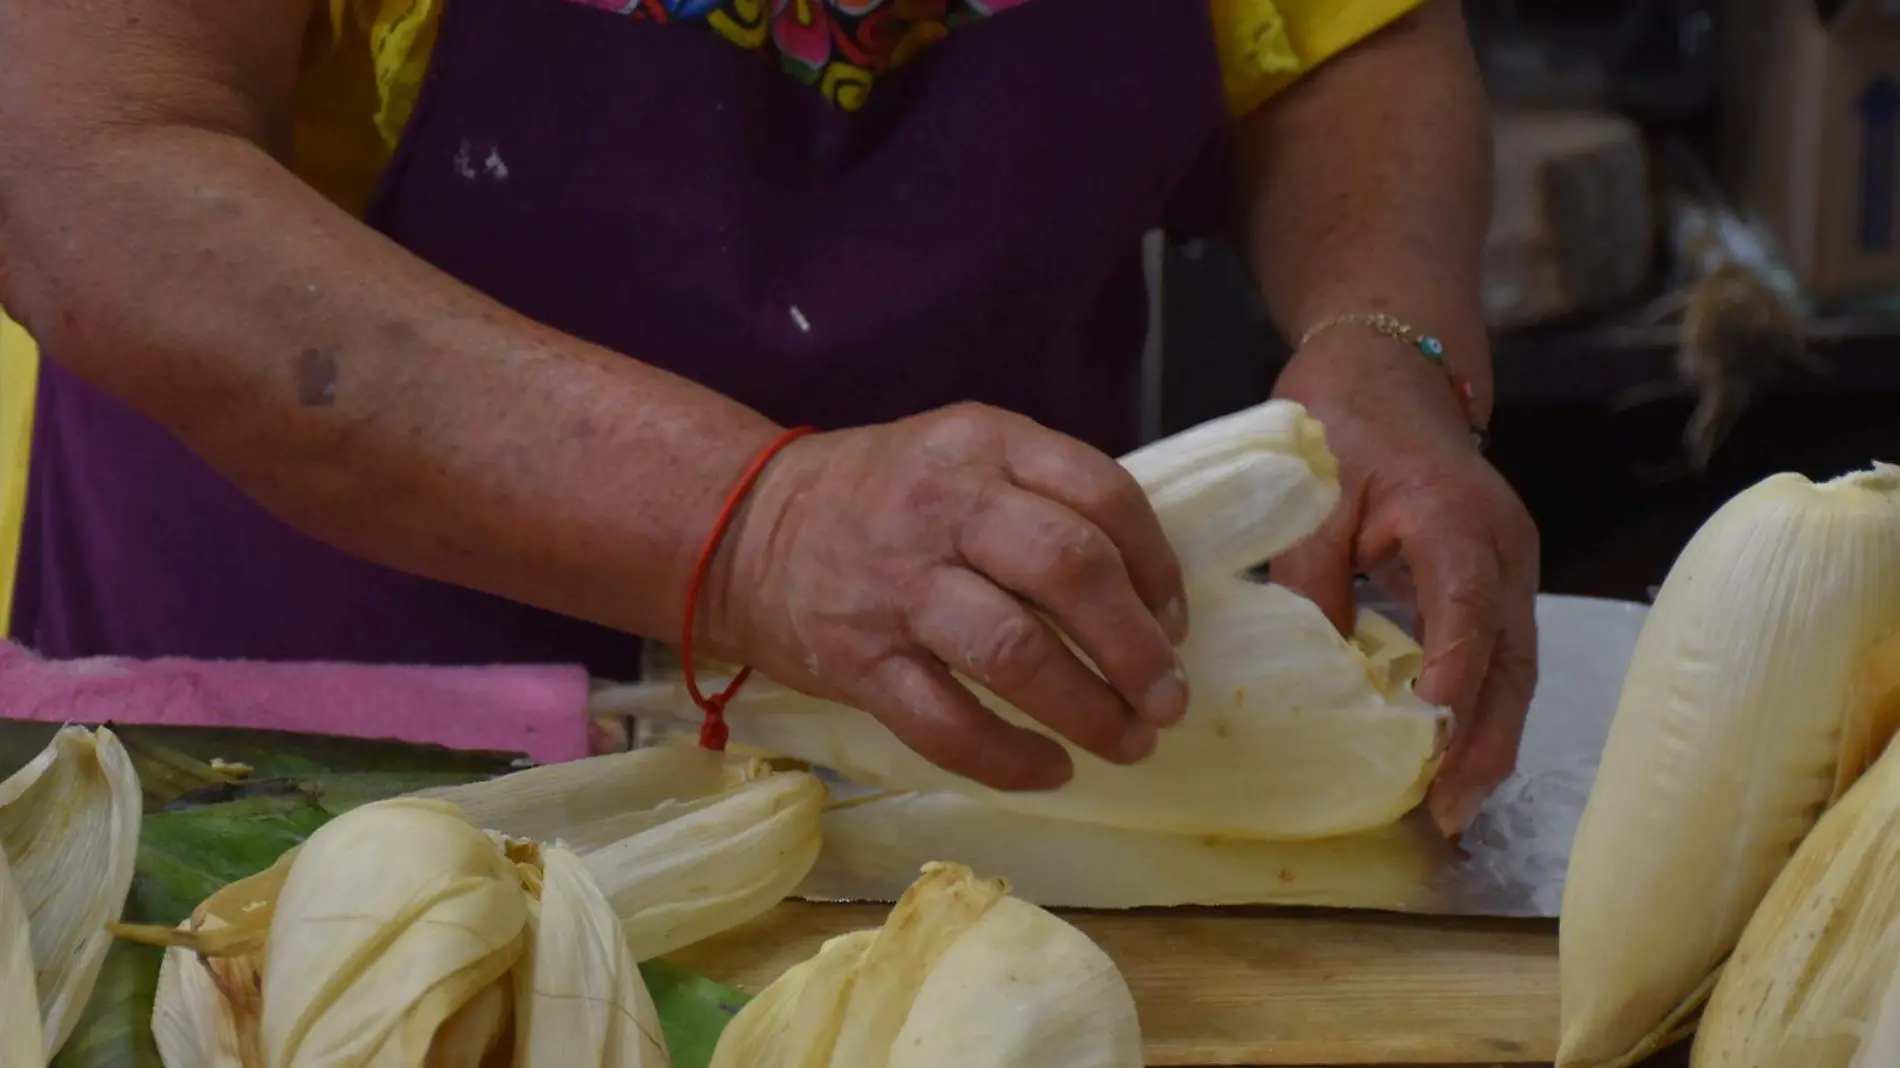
(1174, 620)
(1167, 700)
(1427, 685)
(1454, 813)
(1051, 774)
(1138, 741)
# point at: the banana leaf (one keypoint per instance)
(115, 1030)
(694, 1011)
(208, 824)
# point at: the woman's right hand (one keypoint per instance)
(869, 565)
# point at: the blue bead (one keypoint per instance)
(1431, 347)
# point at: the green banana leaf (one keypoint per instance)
(115, 1030)
(208, 824)
(694, 1010)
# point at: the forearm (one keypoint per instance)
(358, 393)
(1366, 188)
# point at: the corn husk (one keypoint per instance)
(1292, 731)
(686, 844)
(873, 848)
(1882, 1047)
(1239, 490)
(209, 1005)
(69, 825)
(20, 1042)
(402, 936)
(1762, 683)
(794, 1022)
(206, 1009)
(600, 800)
(960, 975)
(392, 918)
(583, 1000)
(1806, 985)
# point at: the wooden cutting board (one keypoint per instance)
(1269, 987)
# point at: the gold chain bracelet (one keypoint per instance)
(1425, 344)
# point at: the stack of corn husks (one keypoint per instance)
(1731, 843)
(496, 924)
(501, 924)
(1284, 784)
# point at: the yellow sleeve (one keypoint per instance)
(361, 71)
(19, 372)
(401, 42)
(1265, 45)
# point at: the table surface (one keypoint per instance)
(1273, 989)
(1268, 987)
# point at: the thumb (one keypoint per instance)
(1320, 569)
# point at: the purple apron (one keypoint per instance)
(972, 233)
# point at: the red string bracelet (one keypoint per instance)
(712, 732)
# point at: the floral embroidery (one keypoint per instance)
(839, 47)
(802, 31)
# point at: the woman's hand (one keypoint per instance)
(870, 564)
(1424, 512)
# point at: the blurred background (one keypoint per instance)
(1693, 272)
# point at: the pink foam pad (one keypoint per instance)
(533, 709)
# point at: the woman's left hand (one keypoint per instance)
(1422, 510)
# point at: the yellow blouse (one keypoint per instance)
(363, 67)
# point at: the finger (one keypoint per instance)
(1102, 491)
(1061, 562)
(932, 713)
(977, 629)
(1320, 569)
(1459, 592)
(1394, 583)
(1487, 754)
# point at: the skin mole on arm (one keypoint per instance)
(315, 376)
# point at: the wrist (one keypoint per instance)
(1370, 380)
(730, 552)
(1353, 345)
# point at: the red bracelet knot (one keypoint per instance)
(712, 730)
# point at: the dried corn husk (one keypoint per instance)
(206, 1009)
(685, 843)
(874, 847)
(392, 918)
(69, 825)
(1237, 491)
(401, 936)
(1882, 1047)
(20, 1042)
(580, 967)
(1805, 986)
(794, 1022)
(1763, 681)
(1291, 733)
(600, 800)
(209, 1006)
(960, 975)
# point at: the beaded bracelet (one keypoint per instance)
(1427, 346)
